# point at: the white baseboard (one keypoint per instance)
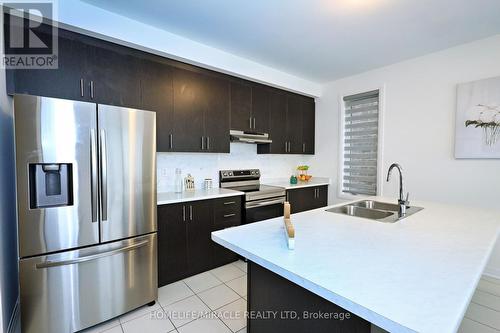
(14, 320)
(492, 272)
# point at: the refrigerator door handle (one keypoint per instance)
(93, 174)
(131, 247)
(104, 177)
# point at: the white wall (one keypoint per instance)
(242, 156)
(95, 21)
(420, 125)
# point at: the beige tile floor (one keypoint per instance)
(215, 302)
(483, 314)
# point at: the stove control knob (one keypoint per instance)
(230, 173)
(224, 174)
(253, 172)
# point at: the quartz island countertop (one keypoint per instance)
(415, 275)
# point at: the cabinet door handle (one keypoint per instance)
(81, 87)
(253, 122)
(304, 147)
(208, 143)
(92, 89)
(190, 212)
(286, 147)
(184, 213)
(229, 203)
(202, 143)
(171, 137)
(229, 215)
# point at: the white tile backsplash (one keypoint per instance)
(242, 156)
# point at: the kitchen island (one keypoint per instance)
(415, 275)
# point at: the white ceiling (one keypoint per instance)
(319, 40)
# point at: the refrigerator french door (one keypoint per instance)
(86, 196)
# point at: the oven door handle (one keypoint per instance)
(250, 205)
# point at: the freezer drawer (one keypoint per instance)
(70, 291)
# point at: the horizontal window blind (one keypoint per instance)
(361, 143)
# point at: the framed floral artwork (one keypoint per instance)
(477, 131)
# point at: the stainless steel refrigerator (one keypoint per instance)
(86, 196)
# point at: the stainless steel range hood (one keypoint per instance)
(249, 137)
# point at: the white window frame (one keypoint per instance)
(380, 148)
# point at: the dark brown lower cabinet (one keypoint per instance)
(185, 246)
(307, 198)
(227, 213)
(297, 309)
(172, 243)
(199, 227)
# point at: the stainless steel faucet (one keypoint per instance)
(403, 203)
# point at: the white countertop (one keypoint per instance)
(165, 198)
(418, 274)
(314, 181)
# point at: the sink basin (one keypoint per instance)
(374, 210)
(353, 210)
(371, 204)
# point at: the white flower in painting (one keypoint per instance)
(488, 121)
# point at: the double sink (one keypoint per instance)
(375, 210)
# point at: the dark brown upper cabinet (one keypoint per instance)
(200, 113)
(67, 81)
(112, 76)
(260, 109)
(291, 124)
(195, 107)
(308, 126)
(241, 106)
(294, 124)
(157, 95)
(217, 116)
(277, 124)
(189, 111)
(249, 107)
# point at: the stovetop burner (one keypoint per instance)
(248, 181)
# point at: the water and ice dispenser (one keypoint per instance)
(51, 185)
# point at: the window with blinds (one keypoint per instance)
(360, 143)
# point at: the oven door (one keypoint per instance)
(263, 209)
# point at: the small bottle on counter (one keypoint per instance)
(293, 179)
(207, 184)
(189, 182)
(178, 184)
